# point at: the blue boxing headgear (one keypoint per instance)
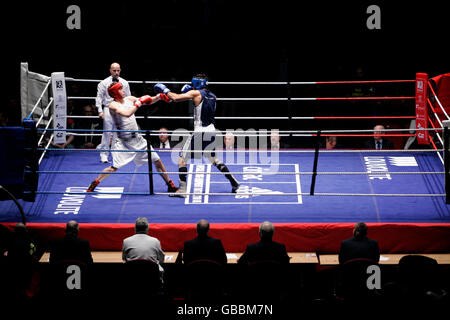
(198, 83)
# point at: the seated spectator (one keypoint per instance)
(330, 143)
(88, 140)
(67, 144)
(141, 246)
(5, 239)
(21, 257)
(71, 247)
(229, 140)
(3, 119)
(204, 247)
(275, 140)
(378, 142)
(359, 246)
(265, 249)
(163, 139)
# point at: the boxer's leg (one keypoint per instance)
(224, 169)
(106, 172)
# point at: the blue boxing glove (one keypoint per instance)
(186, 88)
(161, 88)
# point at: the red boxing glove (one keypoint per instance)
(143, 100)
(164, 97)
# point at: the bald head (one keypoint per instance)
(378, 132)
(202, 228)
(20, 228)
(72, 228)
(266, 230)
(114, 69)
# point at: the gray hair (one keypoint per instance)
(141, 225)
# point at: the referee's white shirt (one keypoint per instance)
(103, 99)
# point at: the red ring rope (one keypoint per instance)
(366, 98)
(368, 117)
(363, 81)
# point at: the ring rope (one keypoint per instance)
(286, 99)
(438, 101)
(244, 151)
(277, 131)
(45, 111)
(253, 194)
(244, 173)
(252, 135)
(39, 99)
(260, 118)
(254, 82)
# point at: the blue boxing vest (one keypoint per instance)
(205, 111)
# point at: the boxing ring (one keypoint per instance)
(289, 187)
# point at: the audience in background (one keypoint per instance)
(21, 257)
(163, 139)
(330, 142)
(275, 140)
(71, 247)
(204, 247)
(359, 246)
(379, 142)
(87, 139)
(266, 248)
(3, 119)
(229, 140)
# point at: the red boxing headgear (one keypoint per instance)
(113, 90)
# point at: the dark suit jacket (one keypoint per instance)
(70, 248)
(264, 250)
(204, 248)
(359, 248)
(156, 143)
(386, 144)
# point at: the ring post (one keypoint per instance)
(289, 105)
(150, 166)
(30, 177)
(22, 213)
(446, 124)
(422, 108)
(316, 159)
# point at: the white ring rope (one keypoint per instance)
(250, 82)
(39, 99)
(307, 194)
(250, 151)
(375, 173)
(268, 99)
(43, 112)
(243, 133)
(250, 194)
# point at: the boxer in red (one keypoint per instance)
(122, 111)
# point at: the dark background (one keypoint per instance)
(233, 41)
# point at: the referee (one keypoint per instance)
(102, 102)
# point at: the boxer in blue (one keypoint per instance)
(204, 135)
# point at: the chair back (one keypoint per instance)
(204, 280)
(67, 280)
(265, 280)
(354, 278)
(141, 275)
